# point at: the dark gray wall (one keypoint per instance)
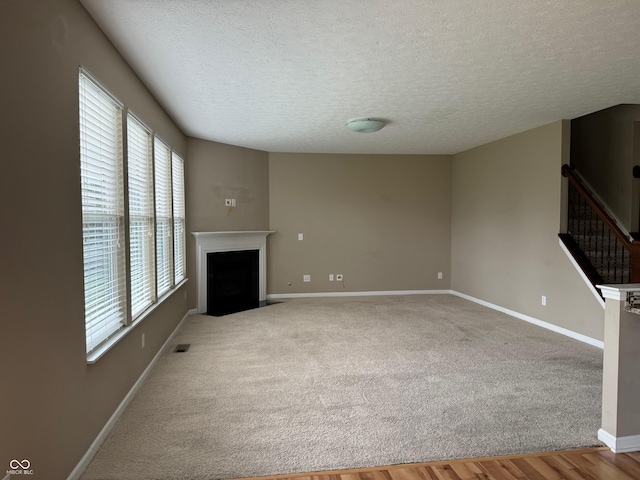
(602, 150)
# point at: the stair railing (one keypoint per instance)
(610, 251)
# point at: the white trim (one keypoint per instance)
(83, 70)
(535, 321)
(630, 443)
(619, 291)
(274, 296)
(95, 446)
(581, 272)
(210, 242)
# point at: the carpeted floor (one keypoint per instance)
(335, 383)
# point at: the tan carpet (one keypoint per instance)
(335, 383)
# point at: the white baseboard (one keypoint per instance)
(630, 443)
(193, 311)
(535, 321)
(95, 446)
(275, 296)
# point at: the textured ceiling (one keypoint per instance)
(448, 75)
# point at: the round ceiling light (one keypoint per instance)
(365, 125)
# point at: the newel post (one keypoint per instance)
(621, 366)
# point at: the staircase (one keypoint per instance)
(606, 254)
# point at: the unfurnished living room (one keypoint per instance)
(336, 240)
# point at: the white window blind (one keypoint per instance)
(164, 227)
(100, 119)
(141, 213)
(179, 240)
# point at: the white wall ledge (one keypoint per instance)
(97, 353)
(618, 292)
(230, 233)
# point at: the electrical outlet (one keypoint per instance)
(228, 202)
(233, 202)
(544, 300)
(331, 277)
(300, 236)
(306, 278)
(339, 277)
(439, 275)
(142, 340)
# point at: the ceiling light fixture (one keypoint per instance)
(365, 125)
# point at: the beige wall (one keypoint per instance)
(506, 217)
(215, 172)
(383, 221)
(602, 150)
(53, 404)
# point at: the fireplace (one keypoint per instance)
(230, 242)
(232, 282)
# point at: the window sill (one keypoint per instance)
(99, 352)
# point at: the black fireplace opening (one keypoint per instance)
(232, 282)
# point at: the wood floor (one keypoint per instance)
(587, 464)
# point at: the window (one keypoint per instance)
(164, 246)
(141, 228)
(102, 212)
(177, 175)
(125, 210)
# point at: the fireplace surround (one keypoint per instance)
(211, 242)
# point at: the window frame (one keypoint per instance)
(179, 218)
(147, 268)
(164, 216)
(104, 260)
(127, 317)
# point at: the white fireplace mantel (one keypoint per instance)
(210, 242)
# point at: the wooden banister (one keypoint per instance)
(633, 247)
(596, 205)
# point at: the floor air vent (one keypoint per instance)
(183, 347)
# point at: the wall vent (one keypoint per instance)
(182, 347)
